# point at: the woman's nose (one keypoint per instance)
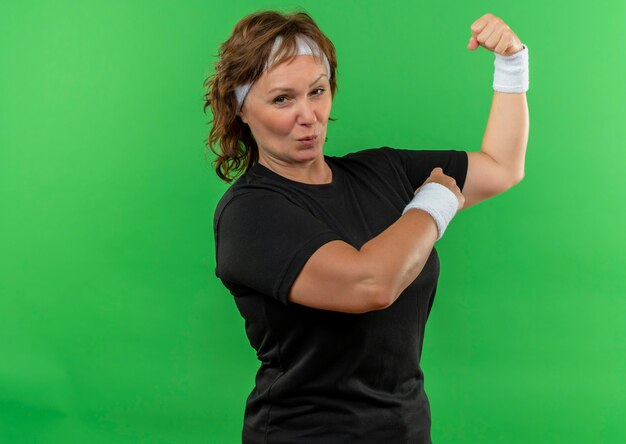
(306, 112)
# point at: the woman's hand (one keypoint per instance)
(492, 33)
(437, 175)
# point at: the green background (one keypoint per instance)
(113, 326)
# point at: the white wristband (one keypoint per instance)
(511, 72)
(437, 200)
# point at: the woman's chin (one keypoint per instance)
(310, 153)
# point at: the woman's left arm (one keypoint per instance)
(500, 163)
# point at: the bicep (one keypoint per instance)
(336, 278)
(485, 178)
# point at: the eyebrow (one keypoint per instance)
(291, 89)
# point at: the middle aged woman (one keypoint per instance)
(331, 259)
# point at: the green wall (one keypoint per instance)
(113, 326)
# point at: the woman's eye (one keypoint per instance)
(281, 100)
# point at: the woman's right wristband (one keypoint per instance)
(438, 201)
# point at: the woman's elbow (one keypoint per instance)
(377, 296)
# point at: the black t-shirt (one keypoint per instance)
(325, 376)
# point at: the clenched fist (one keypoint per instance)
(493, 34)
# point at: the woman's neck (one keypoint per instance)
(315, 172)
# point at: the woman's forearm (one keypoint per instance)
(397, 255)
(507, 130)
(339, 277)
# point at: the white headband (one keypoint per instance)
(305, 47)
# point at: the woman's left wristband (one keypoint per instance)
(511, 72)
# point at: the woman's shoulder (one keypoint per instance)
(244, 188)
(250, 189)
(405, 157)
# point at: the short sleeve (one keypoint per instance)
(418, 164)
(262, 241)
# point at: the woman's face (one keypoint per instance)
(287, 103)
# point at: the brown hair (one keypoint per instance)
(241, 59)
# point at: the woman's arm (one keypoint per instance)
(339, 277)
(507, 130)
(500, 163)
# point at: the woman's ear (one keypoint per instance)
(241, 116)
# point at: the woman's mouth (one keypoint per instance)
(308, 141)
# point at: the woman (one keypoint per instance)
(331, 260)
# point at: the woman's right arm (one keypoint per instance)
(339, 277)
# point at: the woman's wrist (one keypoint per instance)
(438, 201)
(511, 72)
